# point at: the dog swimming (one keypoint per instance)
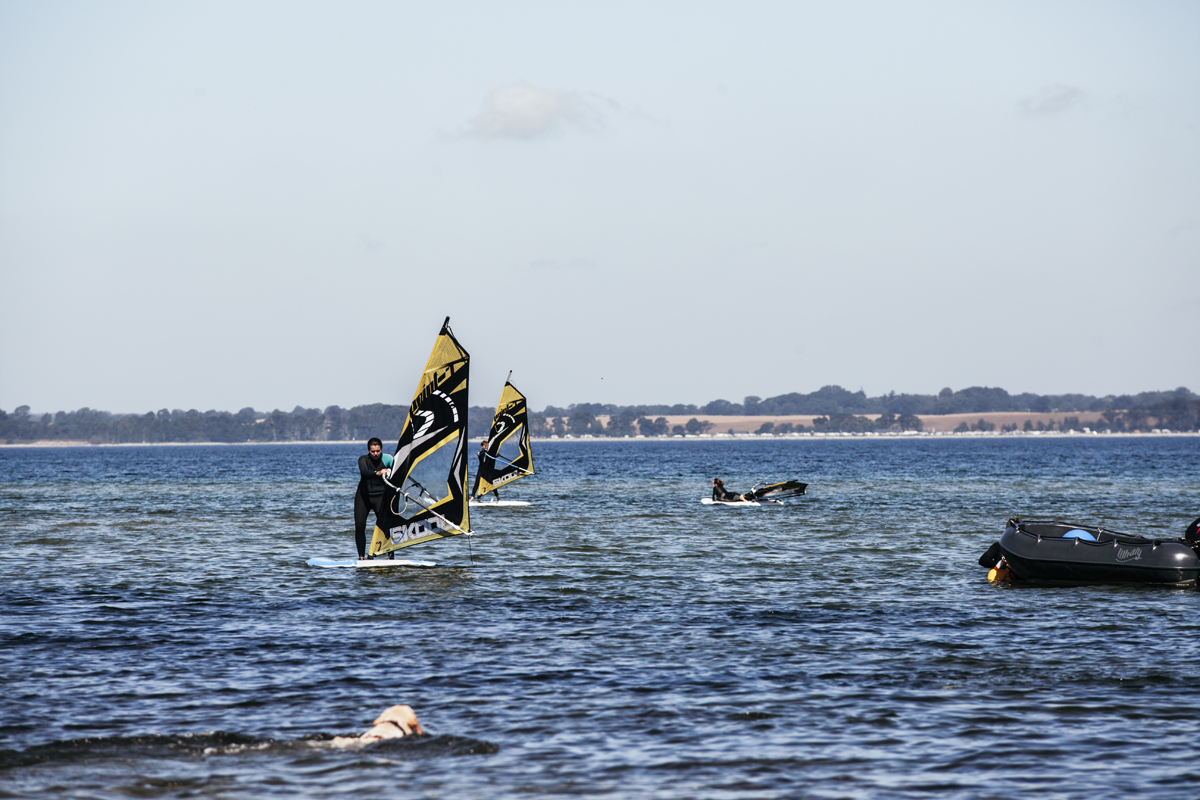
(394, 723)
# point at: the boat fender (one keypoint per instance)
(999, 573)
(991, 557)
(1080, 534)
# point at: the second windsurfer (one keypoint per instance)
(485, 466)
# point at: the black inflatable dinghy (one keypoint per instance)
(1059, 552)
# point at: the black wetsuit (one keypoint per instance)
(485, 468)
(368, 497)
(719, 493)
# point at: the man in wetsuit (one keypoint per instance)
(719, 492)
(485, 465)
(371, 468)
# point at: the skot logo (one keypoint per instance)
(414, 530)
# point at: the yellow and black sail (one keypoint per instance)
(426, 497)
(506, 455)
(776, 491)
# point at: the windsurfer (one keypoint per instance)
(371, 467)
(394, 723)
(485, 465)
(719, 492)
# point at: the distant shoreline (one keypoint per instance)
(945, 423)
(703, 437)
(711, 426)
(744, 428)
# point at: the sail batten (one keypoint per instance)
(426, 497)
(507, 455)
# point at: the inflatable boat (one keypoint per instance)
(1059, 552)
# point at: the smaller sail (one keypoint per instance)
(426, 497)
(777, 491)
(506, 456)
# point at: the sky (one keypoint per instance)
(215, 205)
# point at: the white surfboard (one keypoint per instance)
(708, 501)
(374, 562)
(498, 503)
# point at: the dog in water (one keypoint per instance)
(394, 723)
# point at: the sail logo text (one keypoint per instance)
(415, 530)
(1129, 554)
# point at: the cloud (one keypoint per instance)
(562, 264)
(369, 244)
(520, 111)
(1053, 99)
(1185, 228)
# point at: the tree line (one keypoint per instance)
(829, 400)
(635, 421)
(836, 410)
(1178, 413)
(299, 425)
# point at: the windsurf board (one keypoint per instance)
(708, 501)
(374, 562)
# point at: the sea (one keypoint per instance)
(161, 635)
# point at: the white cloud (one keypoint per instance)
(562, 264)
(1053, 99)
(520, 111)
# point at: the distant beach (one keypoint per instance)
(741, 428)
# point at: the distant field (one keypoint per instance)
(930, 422)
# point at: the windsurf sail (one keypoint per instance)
(506, 455)
(777, 491)
(426, 497)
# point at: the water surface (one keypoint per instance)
(161, 635)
